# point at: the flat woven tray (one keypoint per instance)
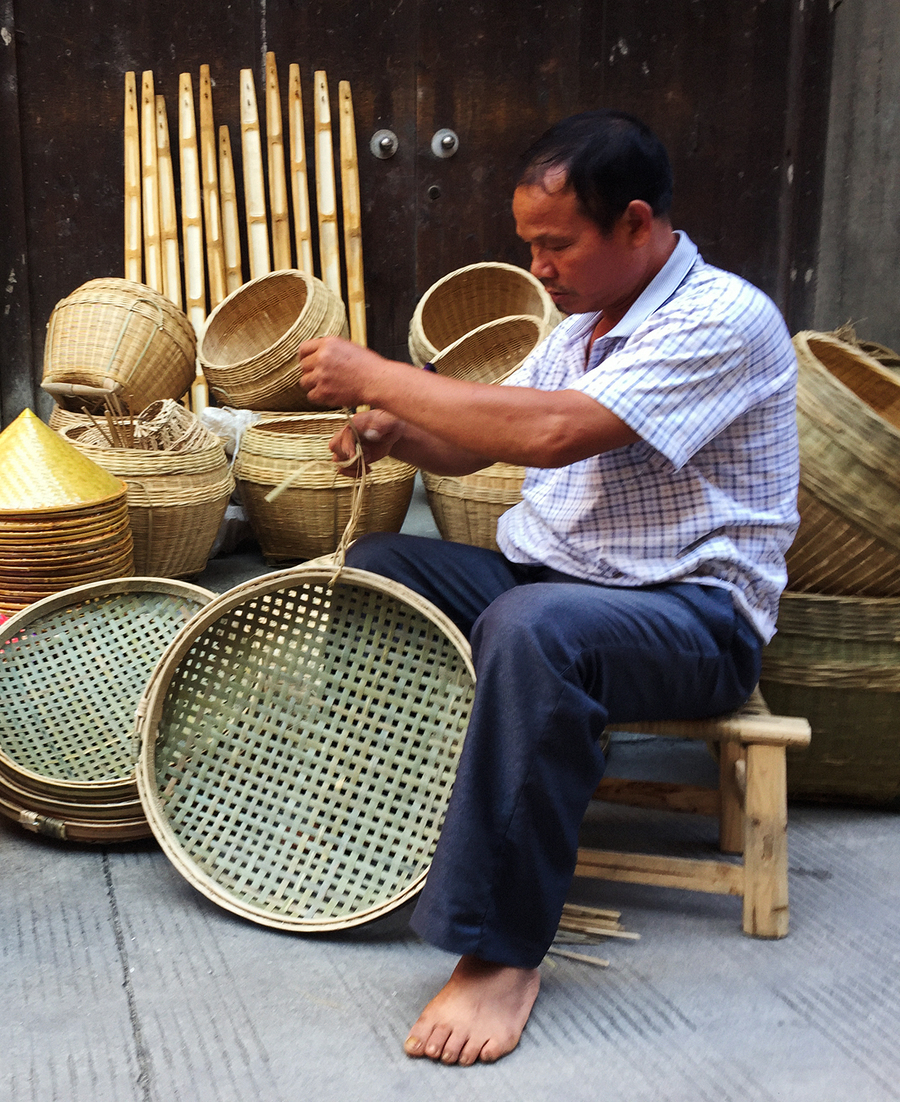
(73, 668)
(299, 743)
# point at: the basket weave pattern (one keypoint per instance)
(466, 509)
(299, 745)
(248, 349)
(493, 351)
(308, 518)
(116, 337)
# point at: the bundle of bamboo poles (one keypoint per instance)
(192, 251)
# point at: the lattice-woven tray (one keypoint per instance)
(73, 668)
(299, 744)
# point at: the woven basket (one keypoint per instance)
(308, 518)
(848, 417)
(248, 349)
(73, 669)
(470, 296)
(493, 351)
(466, 509)
(176, 498)
(299, 743)
(836, 661)
(113, 337)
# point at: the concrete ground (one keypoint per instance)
(122, 983)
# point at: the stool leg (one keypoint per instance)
(765, 843)
(731, 799)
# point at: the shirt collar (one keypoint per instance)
(662, 286)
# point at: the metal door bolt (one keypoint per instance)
(384, 144)
(444, 143)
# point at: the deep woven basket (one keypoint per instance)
(848, 417)
(299, 744)
(113, 337)
(493, 351)
(73, 668)
(176, 498)
(466, 509)
(248, 348)
(836, 661)
(471, 296)
(308, 518)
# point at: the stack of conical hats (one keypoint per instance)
(63, 519)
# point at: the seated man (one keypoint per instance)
(639, 577)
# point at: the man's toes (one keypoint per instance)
(434, 1046)
(414, 1046)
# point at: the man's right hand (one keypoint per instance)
(374, 431)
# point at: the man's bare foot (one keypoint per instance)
(479, 1014)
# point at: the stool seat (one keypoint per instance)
(751, 805)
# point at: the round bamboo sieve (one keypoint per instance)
(299, 743)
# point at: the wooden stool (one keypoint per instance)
(751, 805)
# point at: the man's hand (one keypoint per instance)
(376, 433)
(336, 373)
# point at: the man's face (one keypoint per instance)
(582, 269)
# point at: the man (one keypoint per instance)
(638, 579)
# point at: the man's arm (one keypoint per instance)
(451, 425)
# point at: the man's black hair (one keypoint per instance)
(610, 158)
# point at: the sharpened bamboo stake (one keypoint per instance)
(278, 200)
(231, 237)
(212, 213)
(326, 202)
(133, 239)
(254, 184)
(168, 210)
(192, 228)
(191, 213)
(299, 180)
(153, 276)
(356, 295)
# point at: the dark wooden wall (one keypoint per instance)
(738, 91)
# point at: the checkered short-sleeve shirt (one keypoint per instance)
(703, 369)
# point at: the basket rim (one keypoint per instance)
(150, 710)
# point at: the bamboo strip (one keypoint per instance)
(585, 958)
(356, 296)
(191, 213)
(212, 214)
(299, 179)
(133, 238)
(254, 183)
(326, 202)
(153, 276)
(278, 200)
(168, 210)
(231, 237)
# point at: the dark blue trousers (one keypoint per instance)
(556, 659)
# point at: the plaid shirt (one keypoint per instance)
(702, 368)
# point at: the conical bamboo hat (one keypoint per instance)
(39, 471)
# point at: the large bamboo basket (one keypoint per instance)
(116, 338)
(469, 297)
(466, 509)
(74, 668)
(848, 417)
(836, 661)
(248, 349)
(493, 351)
(299, 744)
(176, 497)
(308, 517)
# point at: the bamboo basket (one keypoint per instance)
(466, 509)
(299, 741)
(248, 349)
(176, 497)
(471, 296)
(74, 667)
(308, 517)
(836, 661)
(848, 417)
(493, 351)
(116, 338)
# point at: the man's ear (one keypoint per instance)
(638, 221)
